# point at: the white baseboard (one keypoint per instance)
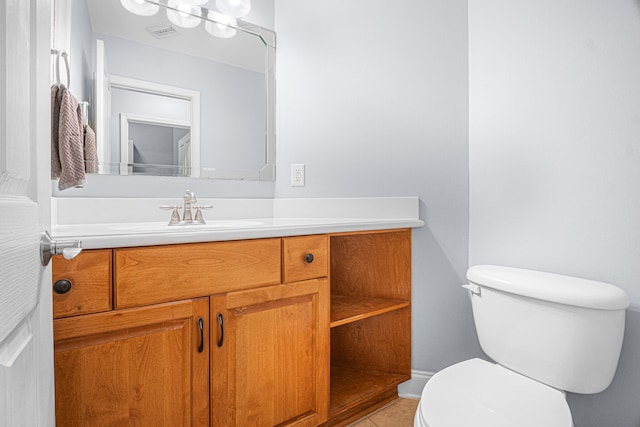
(412, 388)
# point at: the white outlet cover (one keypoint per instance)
(297, 175)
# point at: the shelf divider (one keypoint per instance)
(345, 309)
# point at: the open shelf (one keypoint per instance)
(351, 309)
(351, 388)
(370, 320)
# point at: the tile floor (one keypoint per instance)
(398, 413)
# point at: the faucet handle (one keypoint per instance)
(175, 215)
(199, 217)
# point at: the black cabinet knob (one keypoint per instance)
(308, 258)
(62, 286)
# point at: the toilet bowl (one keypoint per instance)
(546, 333)
(477, 393)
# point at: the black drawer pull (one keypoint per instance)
(221, 323)
(62, 286)
(308, 258)
(201, 328)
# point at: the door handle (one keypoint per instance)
(49, 247)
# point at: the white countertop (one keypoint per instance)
(117, 235)
(100, 223)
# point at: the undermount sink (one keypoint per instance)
(165, 228)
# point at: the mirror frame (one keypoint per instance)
(61, 32)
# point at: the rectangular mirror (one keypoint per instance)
(206, 99)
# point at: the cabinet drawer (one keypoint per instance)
(150, 275)
(89, 275)
(304, 257)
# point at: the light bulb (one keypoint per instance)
(220, 25)
(140, 7)
(235, 8)
(184, 9)
(181, 14)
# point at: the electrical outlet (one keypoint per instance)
(297, 175)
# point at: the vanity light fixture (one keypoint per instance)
(220, 25)
(186, 14)
(181, 13)
(140, 7)
(234, 8)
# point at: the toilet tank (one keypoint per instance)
(563, 331)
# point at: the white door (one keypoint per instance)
(26, 342)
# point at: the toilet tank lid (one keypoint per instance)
(550, 287)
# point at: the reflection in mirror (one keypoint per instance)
(155, 146)
(167, 106)
(229, 104)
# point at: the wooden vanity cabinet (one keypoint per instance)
(295, 331)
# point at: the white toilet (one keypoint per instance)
(547, 334)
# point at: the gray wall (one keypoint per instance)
(372, 98)
(554, 147)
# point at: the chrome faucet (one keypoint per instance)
(188, 217)
(189, 201)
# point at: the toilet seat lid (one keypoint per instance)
(482, 394)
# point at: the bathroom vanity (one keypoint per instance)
(304, 330)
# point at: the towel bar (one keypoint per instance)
(62, 53)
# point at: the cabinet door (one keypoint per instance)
(270, 356)
(146, 366)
